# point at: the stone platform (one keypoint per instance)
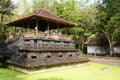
(31, 54)
(51, 67)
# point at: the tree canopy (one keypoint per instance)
(6, 7)
(108, 21)
(92, 16)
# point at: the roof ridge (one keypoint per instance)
(38, 11)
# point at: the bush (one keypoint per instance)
(3, 34)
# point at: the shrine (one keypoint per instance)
(44, 47)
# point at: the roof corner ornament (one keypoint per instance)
(42, 7)
(35, 12)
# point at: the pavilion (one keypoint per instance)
(41, 20)
(35, 52)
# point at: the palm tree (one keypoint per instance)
(6, 6)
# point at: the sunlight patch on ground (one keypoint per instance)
(91, 71)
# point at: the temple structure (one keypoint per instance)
(42, 48)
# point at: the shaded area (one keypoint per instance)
(4, 53)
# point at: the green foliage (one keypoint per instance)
(63, 9)
(65, 31)
(103, 17)
(76, 30)
(3, 35)
(109, 25)
(6, 7)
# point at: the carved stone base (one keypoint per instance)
(44, 69)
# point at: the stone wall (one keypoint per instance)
(30, 53)
(32, 71)
(94, 49)
(39, 59)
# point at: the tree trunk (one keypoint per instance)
(110, 47)
(82, 45)
(1, 18)
(3, 27)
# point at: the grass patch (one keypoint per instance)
(91, 71)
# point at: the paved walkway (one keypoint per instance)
(105, 60)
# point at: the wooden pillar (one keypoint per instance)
(36, 27)
(25, 30)
(28, 28)
(15, 30)
(58, 28)
(48, 27)
(66, 31)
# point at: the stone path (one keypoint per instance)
(105, 60)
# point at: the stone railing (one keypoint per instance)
(41, 43)
(47, 36)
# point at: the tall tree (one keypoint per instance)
(6, 6)
(86, 18)
(109, 21)
(62, 8)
